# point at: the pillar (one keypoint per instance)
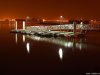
(16, 26)
(23, 25)
(74, 29)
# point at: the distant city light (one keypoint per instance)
(61, 17)
(44, 20)
(27, 17)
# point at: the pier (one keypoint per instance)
(62, 30)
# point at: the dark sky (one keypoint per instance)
(50, 9)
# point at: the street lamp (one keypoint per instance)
(27, 20)
(61, 19)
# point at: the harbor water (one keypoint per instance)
(34, 55)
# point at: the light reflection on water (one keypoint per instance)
(23, 38)
(28, 47)
(23, 55)
(16, 38)
(60, 53)
(72, 43)
(68, 43)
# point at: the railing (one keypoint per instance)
(57, 27)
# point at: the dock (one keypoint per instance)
(46, 31)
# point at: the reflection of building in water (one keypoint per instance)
(68, 43)
(16, 38)
(23, 38)
(60, 53)
(28, 47)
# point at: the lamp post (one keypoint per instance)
(27, 20)
(81, 26)
(61, 18)
(74, 29)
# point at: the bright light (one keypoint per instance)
(61, 53)
(28, 47)
(37, 38)
(81, 22)
(61, 16)
(44, 20)
(69, 44)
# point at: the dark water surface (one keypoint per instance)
(32, 55)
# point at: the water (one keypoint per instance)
(32, 55)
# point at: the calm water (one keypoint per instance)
(32, 55)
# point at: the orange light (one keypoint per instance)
(57, 20)
(44, 20)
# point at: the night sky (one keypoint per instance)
(50, 9)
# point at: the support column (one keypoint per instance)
(23, 25)
(74, 29)
(16, 26)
